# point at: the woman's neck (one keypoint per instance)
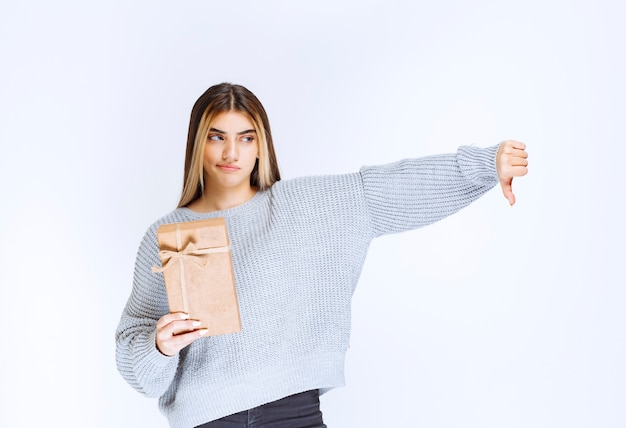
(218, 201)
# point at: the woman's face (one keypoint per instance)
(230, 152)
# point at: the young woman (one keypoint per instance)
(297, 247)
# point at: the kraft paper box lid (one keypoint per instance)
(198, 272)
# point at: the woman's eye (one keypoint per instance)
(215, 137)
(247, 138)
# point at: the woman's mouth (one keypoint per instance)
(228, 167)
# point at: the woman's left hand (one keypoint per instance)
(511, 161)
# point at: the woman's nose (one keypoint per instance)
(230, 151)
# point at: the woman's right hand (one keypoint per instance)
(175, 331)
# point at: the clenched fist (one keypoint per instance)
(511, 161)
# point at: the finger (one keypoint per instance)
(171, 317)
(510, 196)
(515, 144)
(518, 161)
(510, 151)
(517, 171)
(518, 153)
(190, 336)
(173, 344)
(184, 326)
(177, 327)
(507, 191)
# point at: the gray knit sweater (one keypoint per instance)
(297, 249)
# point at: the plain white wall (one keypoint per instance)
(495, 317)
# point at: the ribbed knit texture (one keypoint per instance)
(298, 249)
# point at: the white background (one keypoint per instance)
(495, 317)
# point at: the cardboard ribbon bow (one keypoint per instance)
(190, 253)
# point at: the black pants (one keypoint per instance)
(296, 411)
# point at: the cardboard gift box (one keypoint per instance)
(198, 272)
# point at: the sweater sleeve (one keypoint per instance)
(138, 360)
(416, 192)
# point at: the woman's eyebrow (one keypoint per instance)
(247, 131)
(218, 131)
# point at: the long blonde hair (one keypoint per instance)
(217, 99)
